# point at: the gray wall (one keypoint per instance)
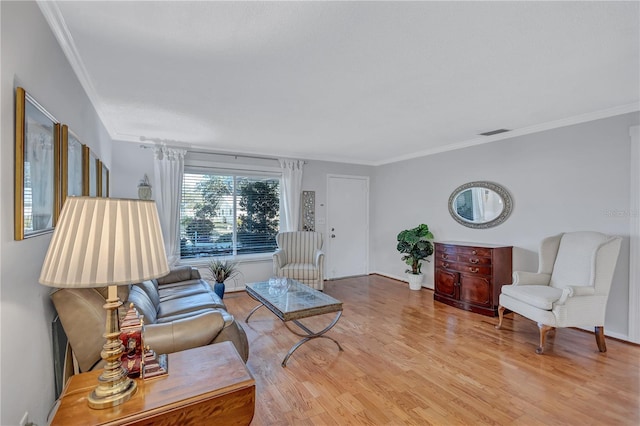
(130, 163)
(31, 58)
(566, 179)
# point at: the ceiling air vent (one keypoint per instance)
(494, 132)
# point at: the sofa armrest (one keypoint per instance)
(234, 333)
(318, 257)
(530, 278)
(182, 334)
(182, 273)
(575, 290)
(83, 318)
(195, 274)
(582, 290)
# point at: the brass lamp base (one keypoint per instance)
(114, 386)
(124, 394)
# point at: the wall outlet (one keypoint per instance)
(25, 419)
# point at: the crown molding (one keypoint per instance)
(582, 118)
(60, 30)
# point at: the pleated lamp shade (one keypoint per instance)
(105, 241)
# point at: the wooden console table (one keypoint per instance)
(205, 385)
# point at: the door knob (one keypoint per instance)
(333, 235)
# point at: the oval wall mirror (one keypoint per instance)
(480, 204)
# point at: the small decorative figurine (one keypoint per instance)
(154, 365)
(131, 336)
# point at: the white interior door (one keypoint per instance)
(347, 251)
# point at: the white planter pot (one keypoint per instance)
(415, 281)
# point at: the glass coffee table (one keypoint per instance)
(291, 301)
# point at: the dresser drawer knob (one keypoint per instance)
(474, 252)
(474, 261)
(444, 256)
(474, 270)
(445, 264)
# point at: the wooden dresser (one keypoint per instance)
(470, 275)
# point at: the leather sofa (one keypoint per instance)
(181, 311)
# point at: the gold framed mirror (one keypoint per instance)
(37, 168)
(72, 168)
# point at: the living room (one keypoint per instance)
(575, 173)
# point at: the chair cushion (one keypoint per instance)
(539, 296)
(190, 303)
(575, 261)
(187, 288)
(299, 271)
(184, 315)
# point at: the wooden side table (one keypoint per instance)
(204, 385)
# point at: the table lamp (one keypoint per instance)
(101, 242)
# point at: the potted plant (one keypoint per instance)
(222, 270)
(416, 246)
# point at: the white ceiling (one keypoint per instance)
(360, 82)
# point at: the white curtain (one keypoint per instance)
(478, 204)
(39, 156)
(168, 171)
(290, 194)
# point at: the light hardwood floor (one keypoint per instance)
(410, 360)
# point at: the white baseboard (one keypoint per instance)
(608, 333)
(399, 278)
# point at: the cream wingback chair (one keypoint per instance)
(571, 286)
(299, 256)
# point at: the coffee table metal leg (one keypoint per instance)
(309, 335)
(252, 311)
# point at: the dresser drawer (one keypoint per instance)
(464, 250)
(464, 258)
(464, 267)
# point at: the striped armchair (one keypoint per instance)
(300, 257)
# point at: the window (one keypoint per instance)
(223, 215)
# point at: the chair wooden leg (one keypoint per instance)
(602, 346)
(543, 335)
(500, 317)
